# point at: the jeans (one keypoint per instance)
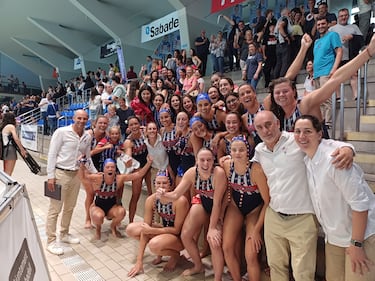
(282, 60)
(219, 62)
(52, 125)
(253, 82)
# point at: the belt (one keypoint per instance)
(66, 170)
(286, 216)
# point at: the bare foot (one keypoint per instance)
(192, 271)
(157, 260)
(88, 224)
(171, 264)
(116, 233)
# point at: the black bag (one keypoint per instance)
(29, 160)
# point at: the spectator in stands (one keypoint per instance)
(350, 35)
(43, 105)
(258, 23)
(365, 9)
(308, 19)
(244, 51)
(323, 12)
(202, 45)
(95, 105)
(254, 65)
(327, 58)
(269, 54)
(297, 32)
(142, 105)
(52, 114)
(106, 96)
(119, 90)
(68, 145)
(11, 84)
(112, 116)
(309, 83)
(132, 91)
(131, 74)
(234, 41)
(194, 57)
(10, 141)
(283, 32)
(124, 112)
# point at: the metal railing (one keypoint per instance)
(361, 101)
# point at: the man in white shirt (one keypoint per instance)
(346, 32)
(290, 227)
(68, 145)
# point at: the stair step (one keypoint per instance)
(359, 136)
(368, 119)
(365, 158)
(353, 104)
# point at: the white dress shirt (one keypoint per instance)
(286, 175)
(66, 148)
(335, 193)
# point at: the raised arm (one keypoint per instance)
(136, 175)
(318, 96)
(295, 67)
(186, 182)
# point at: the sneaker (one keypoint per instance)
(55, 249)
(70, 239)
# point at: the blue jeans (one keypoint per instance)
(219, 63)
(253, 82)
(52, 125)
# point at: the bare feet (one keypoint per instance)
(157, 260)
(88, 224)
(194, 270)
(171, 264)
(116, 233)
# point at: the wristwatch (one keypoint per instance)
(356, 243)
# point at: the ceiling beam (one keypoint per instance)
(70, 39)
(47, 54)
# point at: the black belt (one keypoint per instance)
(66, 170)
(282, 215)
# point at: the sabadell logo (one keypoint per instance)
(162, 28)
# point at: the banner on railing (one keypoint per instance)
(29, 136)
(22, 256)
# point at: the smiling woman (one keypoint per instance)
(343, 202)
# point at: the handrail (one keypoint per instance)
(358, 102)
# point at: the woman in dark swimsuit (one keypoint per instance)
(163, 240)
(249, 200)
(209, 186)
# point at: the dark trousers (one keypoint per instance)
(282, 60)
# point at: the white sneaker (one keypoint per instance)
(55, 249)
(70, 239)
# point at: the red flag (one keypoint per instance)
(218, 5)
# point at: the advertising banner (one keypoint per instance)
(218, 5)
(22, 257)
(160, 27)
(29, 136)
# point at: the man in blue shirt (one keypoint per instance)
(327, 58)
